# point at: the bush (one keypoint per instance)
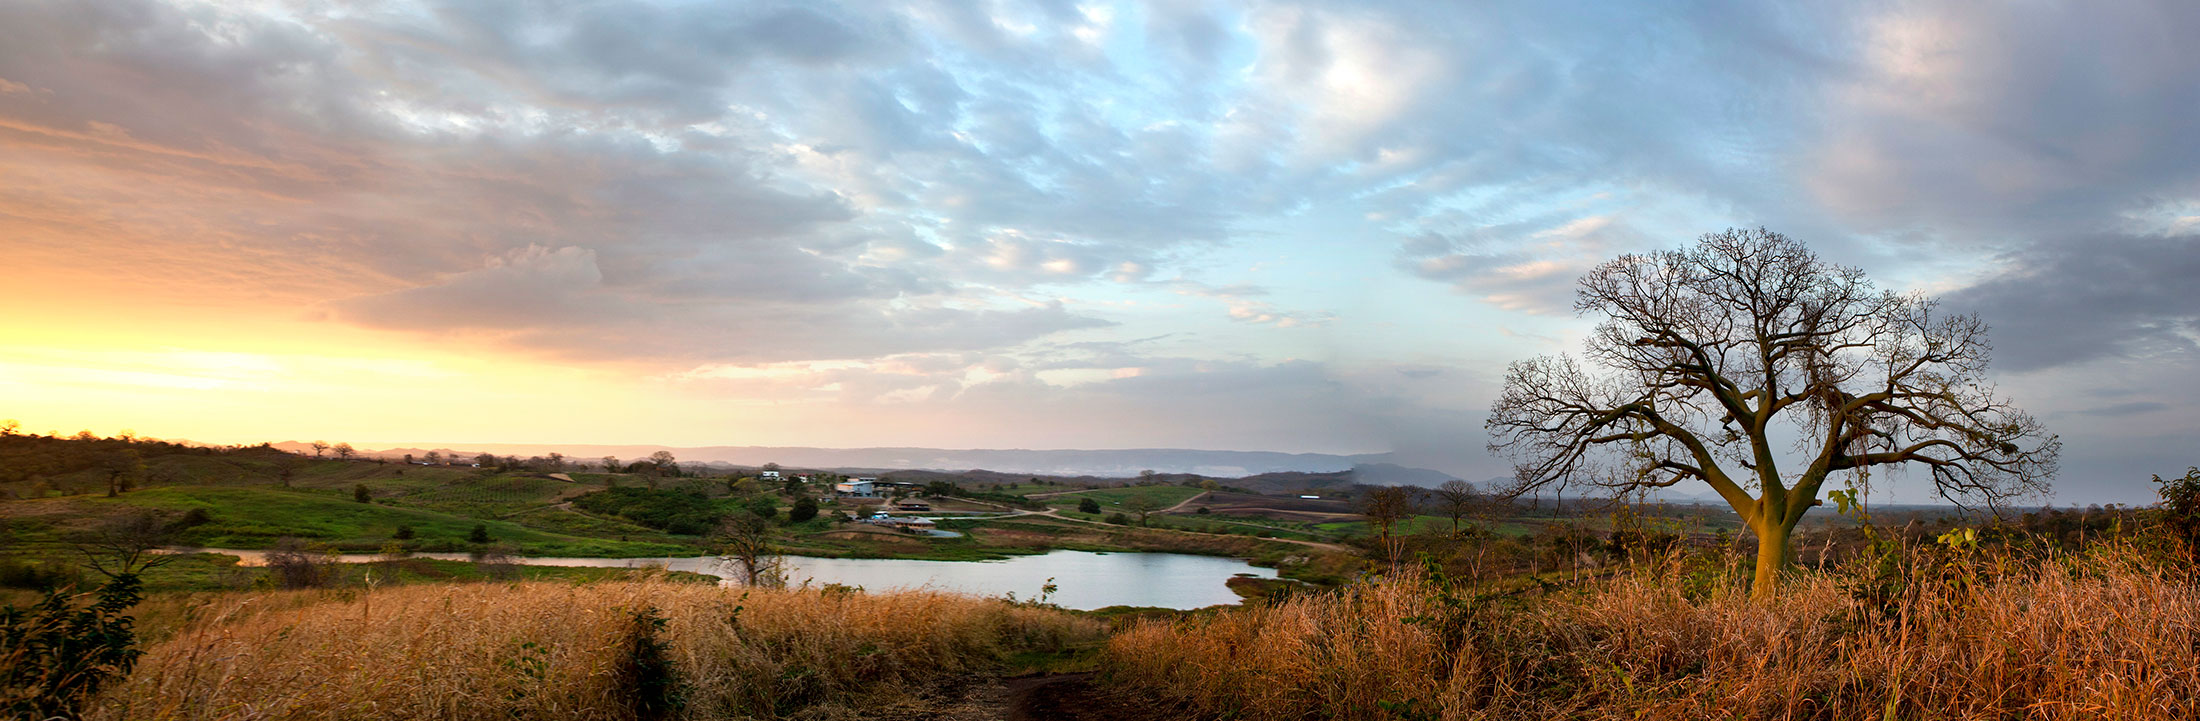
(361, 494)
(1119, 519)
(1087, 505)
(404, 533)
(54, 655)
(679, 512)
(294, 566)
(765, 507)
(805, 508)
(480, 534)
(2181, 509)
(16, 573)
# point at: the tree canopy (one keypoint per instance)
(1727, 360)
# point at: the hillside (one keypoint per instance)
(1110, 463)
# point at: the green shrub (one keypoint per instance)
(54, 655)
(1087, 505)
(805, 508)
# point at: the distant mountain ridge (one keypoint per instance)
(1117, 463)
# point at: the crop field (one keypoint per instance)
(1114, 499)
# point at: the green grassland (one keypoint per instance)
(1114, 499)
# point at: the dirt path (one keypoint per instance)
(1186, 502)
(1075, 697)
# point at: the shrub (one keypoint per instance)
(1119, 519)
(55, 655)
(480, 534)
(292, 565)
(765, 507)
(361, 494)
(37, 576)
(403, 533)
(1087, 505)
(670, 511)
(805, 508)
(2180, 511)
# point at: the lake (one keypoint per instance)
(1084, 580)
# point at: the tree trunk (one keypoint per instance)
(1772, 555)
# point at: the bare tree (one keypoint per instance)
(745, 541)
(294, 565)
(1713, 352)
(1458, 498)
(1384, 507)
(319, 447)
(345, 451)
(127, 545)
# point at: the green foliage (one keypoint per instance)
(679, 512)
(647, 669)
(1119, 519)
(403, 533)
(54, 654)
(480, 534)
(37, 576)
(1088, 505)
(2180, 510)
(805, 508)
(361, 494)
(765, 507)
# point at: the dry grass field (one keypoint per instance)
(615, 650)
(2100, 636)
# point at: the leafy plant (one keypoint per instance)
(55, 654)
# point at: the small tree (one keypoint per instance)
(764, 507)
(610, 464)
(1087, 505)
(345, 451)
(745, 542)
(319, 447)
(360, 493)
(805, 508)
(1457, 498)
(480, 534)
(1718, 352)
(405, 533)
(1140, 505)
(435, 458)
(556, 461)
(1383, 508)
(123, 468)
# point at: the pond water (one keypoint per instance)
(1084, 580)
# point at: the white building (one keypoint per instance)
(769, 475)
(858, 487)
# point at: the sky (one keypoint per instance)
(1292, 226)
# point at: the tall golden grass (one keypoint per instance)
(1965, 636)
(562, 651)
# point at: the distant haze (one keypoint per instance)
(1117, 463)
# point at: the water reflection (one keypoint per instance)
(1084, 580)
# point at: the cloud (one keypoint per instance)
(2070, 300)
